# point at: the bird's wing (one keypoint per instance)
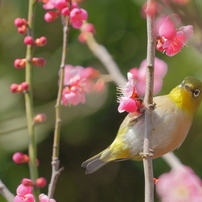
(130, 120)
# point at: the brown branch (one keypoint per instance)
(55, 157)
(148, 100)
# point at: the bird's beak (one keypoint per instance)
(187, 87)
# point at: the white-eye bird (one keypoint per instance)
(172, 119)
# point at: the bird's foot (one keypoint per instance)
(152, 106)
(147, 154)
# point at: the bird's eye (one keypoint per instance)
(196, 93)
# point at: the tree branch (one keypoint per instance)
(6, 193)
(148, 100)
(55, 157)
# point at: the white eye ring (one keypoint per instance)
(196, 93)
(182, 84)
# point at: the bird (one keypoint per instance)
(172, 119)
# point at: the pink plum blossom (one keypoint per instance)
(78, 81)
(77, 16)
(170, 40)
(180, 185)
(65, 8)
(139, 75)
(73, 95)
(150, 9)
(24, 194)
(129, 101)
(25, 198)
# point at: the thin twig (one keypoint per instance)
(147, 160)
(29, 103)
(55, 157)
(6, 193)
(103, 55)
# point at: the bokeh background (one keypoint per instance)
(87, 128)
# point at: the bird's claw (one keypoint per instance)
(152, 106)
(147, 154)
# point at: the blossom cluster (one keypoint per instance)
(23, 28)
(130, 100)
(66, 8)
(78, 81)
(24, 193)
(170, 38)
(24, 190)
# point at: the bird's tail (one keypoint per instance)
(96, 162)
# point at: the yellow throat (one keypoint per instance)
(187, 95)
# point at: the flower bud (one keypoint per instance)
(19, 63)
(41, 182)
(88, 27)
(40, 118)
(42, 41)
(74, 5)
(22, 29)
(65, 11)
(19, 22)
(27, 182)
(25, 86)
(20, 158)
(14, 88)
(39, 62)
(29, 40)
(50, 16)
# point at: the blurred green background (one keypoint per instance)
(89, 128)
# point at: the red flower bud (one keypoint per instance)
(25, 86)
(42, 41)
(19, 22)
(65, 11)
(41, 182)
(19, 63)
(13, 88)
(22, 29)
(27, 182)
(50, 16)
(39, 62)
(29, 40)
(20, 158)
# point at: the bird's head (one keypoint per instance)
(188, 95)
